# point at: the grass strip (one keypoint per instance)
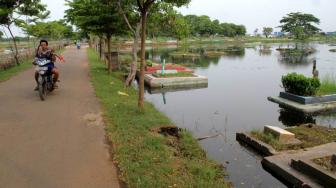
(8, 73)
(146, 158)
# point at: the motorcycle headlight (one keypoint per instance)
(42, 71)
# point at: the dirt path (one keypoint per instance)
(58, 143)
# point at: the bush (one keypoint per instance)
(298, 84)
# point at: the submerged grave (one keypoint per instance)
(173, 76)
(306, 94)
(308, 167)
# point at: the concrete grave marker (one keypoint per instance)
(281, 134)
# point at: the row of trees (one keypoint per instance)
(29, 15)
(204, 26)
(51, 30)
(105, 18)
(20, 13)
(179, 26)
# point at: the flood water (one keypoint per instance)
(236, 101)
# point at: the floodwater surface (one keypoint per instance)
(236, 101)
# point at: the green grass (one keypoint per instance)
(145, 158)
(269, 139)
(314, 136)
(328, 86)
(179, 74)
(214, 53)
(309, 135)
(8, 73)
(325, 163)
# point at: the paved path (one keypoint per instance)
(58, 143)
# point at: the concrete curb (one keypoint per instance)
(308, 99)
(313, 170)
(280, 165)
(305, 108)
(259, 146)
(154, 82)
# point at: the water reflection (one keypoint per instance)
(293, 118)
(175, 89)
(296, 56)
(201, 56)
(265, 50)
(164, 91)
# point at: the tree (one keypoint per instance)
(143, 8)
(1, 34)
(300, 25)
(12, 10)
(52, 30)
(100, 17)
(180, 27)
(256, 32)
(133, 22)
(267, 31)
(164, 20)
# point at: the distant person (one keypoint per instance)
(78, 45)
(315, 71)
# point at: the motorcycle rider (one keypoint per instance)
(44, 52)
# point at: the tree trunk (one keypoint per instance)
(109, 59)
(142, 65)
(16, 55)
(133, 67)
(100, 47)
(90, 41)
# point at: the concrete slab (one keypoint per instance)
(308, 108)
(259, 146)
(176, 88)
(321, 175)
(279, 165)
(282, 135)
(154, 82)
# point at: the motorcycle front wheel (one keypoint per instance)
(42, 91)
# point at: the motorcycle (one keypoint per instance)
(45, 77)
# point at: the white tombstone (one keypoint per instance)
(282, 135)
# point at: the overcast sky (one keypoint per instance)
(251, 13)
(259, 13)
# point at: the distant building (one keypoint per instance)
(278, 34)
(330, 33)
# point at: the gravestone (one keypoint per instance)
(281, 134)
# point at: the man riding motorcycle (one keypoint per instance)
(45, 53)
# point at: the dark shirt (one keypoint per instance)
(48, 55)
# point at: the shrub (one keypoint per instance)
(298, 84)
